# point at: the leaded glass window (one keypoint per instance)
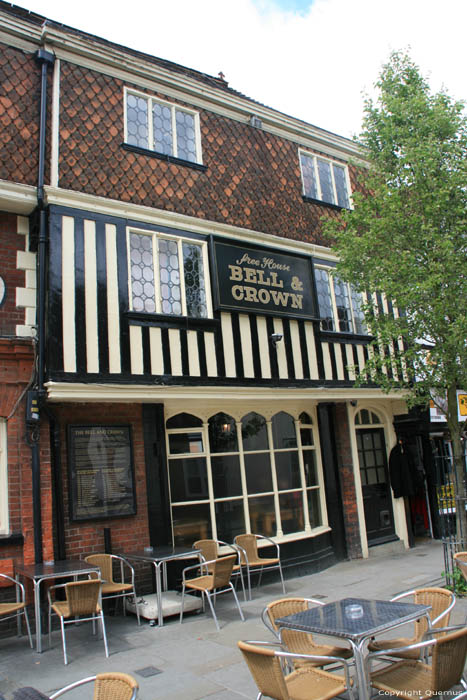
(162, 127)
(167, 275)
(324, 180)
(340, 305)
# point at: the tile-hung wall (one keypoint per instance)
(92, 332)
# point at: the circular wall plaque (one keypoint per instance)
(2, 290)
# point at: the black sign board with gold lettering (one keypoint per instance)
(101, 472)
(263, 280)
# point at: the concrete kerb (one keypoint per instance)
(193, 661)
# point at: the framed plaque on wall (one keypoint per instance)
(101, 472)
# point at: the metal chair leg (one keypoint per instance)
(212, 610)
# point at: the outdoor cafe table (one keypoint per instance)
(68, 568)
(158, 557)
(357, 620)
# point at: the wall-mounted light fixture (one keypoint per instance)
(275, 338)
(353, 402)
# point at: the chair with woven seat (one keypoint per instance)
(107, 686)
(16, 608)
(110, 587)
(441, 600)
(249, 557)
(268, 666)
(82, 604)
(295, 641)
(413, 678)
(461, 562)
(210, 551)
(214, 583)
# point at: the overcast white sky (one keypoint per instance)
(312, 59)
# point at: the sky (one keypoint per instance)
(311, 59)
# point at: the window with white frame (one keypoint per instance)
(325, 180)
(227, 477)
(168, 274)
(4, 515)
(162, 127)
(340, 306)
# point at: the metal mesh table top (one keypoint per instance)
(163, 553)
(55, 569)
(354, 618)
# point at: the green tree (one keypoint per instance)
(406, 238)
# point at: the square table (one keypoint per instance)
(67, 568)
(357, 620)
(158, 557)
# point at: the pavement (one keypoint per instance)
(194, 661)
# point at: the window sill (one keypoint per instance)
(312, 200)
(165, 320)
(339, 335)
(163, 156)
(13, 538)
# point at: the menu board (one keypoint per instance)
(101, 471)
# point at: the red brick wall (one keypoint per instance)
(347, 482)
(252, 179)
(129, 533)
(19, 115)
(11, 242)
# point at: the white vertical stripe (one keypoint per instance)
(310, 344)
(350, 362)
(296, 349)
(280, 350)
(90, 296)
(211, 359)
(361, 357)
(155, 344)
(113, 315)
(247, 354)
(55, 140)
(327, 361)
(227, 340)
(175, 352)
(339, 363)
(263, 342)
(193, 353)
(68, 294)
(136, 350)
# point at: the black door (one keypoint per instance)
(376, 491)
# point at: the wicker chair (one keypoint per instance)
(441, 600)
(107, 686)
(210, 550)
(295, 641)
(414, 678)
(461, 561)
(16, 608)
(110, 587)
(211, 584)
(81, 605)
(304, 683)
(249, 557)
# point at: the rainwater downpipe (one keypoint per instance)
(45, 59)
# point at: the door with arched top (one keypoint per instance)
(374, 475)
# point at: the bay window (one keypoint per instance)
(227, 477)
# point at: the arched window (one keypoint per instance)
(255, 475)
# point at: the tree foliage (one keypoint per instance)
(406, 237)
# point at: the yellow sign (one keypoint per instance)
(462, 398)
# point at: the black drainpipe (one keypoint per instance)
(44, 58)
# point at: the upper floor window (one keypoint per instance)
(325, 180)
(340, 306)
(162, 127)
(168, 274)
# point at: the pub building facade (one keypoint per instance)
(195, 357)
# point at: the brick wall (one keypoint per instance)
(11, 242)
(129, 533)
(347, 482)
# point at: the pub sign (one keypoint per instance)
(263, 280)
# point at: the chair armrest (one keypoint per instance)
(445, 612)
(76, 684)
(125, 563)
(398, 650)
(16, 583)
(53, 588)
(402, 595)
(266, 621)
(200, 565)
